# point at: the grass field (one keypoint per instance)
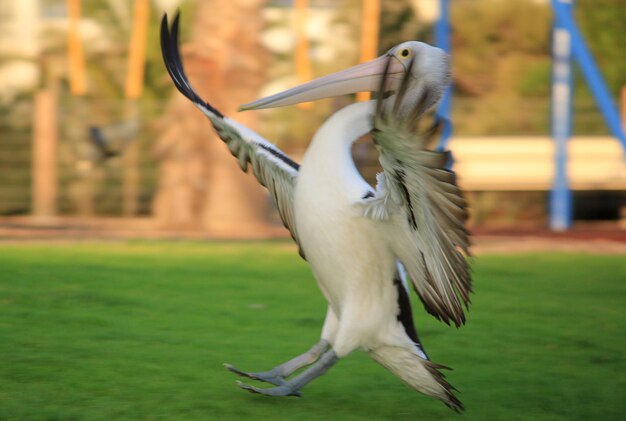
(140, 330)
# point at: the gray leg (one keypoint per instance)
(278, 374)
(292, 387)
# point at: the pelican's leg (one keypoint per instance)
(278, 374)
(292, 387)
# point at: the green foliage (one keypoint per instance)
(502, 55)
(535, 82)
(140, 330)
(602, 24)
(398, 23)
(487, 33)
(493, 27)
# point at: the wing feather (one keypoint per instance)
(271, 167)
(429, 212)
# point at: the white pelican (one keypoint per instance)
(363, 244)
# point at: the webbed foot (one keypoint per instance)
(265, 376)
(286, 389)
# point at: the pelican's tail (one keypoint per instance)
(421, 374)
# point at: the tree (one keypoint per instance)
(200, 185)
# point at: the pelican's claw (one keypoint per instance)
(284, 390)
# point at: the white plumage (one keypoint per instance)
(363, 245)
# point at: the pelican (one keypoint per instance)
(363, 245)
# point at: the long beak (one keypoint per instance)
(360, 78)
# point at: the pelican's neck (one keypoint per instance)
(329, 157)
(344, 127)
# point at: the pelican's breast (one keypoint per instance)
(342, 247)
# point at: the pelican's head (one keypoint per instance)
(425, 68)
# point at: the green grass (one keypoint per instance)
(140, 331)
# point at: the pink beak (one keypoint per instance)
(364, 77)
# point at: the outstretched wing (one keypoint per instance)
(271, 167)
(421, 199)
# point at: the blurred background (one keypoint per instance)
(95, 139)
(98, 149)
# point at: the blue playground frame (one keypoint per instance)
(567, 43)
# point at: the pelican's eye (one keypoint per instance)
(405, 53)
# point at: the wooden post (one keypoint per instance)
(132, 91)
(44, 171)
(370, 27)
(303, 64)
(76, 58)
(130, 174)
(137, 50)
(130, 187)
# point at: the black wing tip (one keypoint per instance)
(449, 398)
(174, 65)
(454, 403)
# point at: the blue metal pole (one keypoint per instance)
(564, 19)
(442, 40)
(560, 218)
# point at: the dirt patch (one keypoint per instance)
(598, 239)
(527, 244)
